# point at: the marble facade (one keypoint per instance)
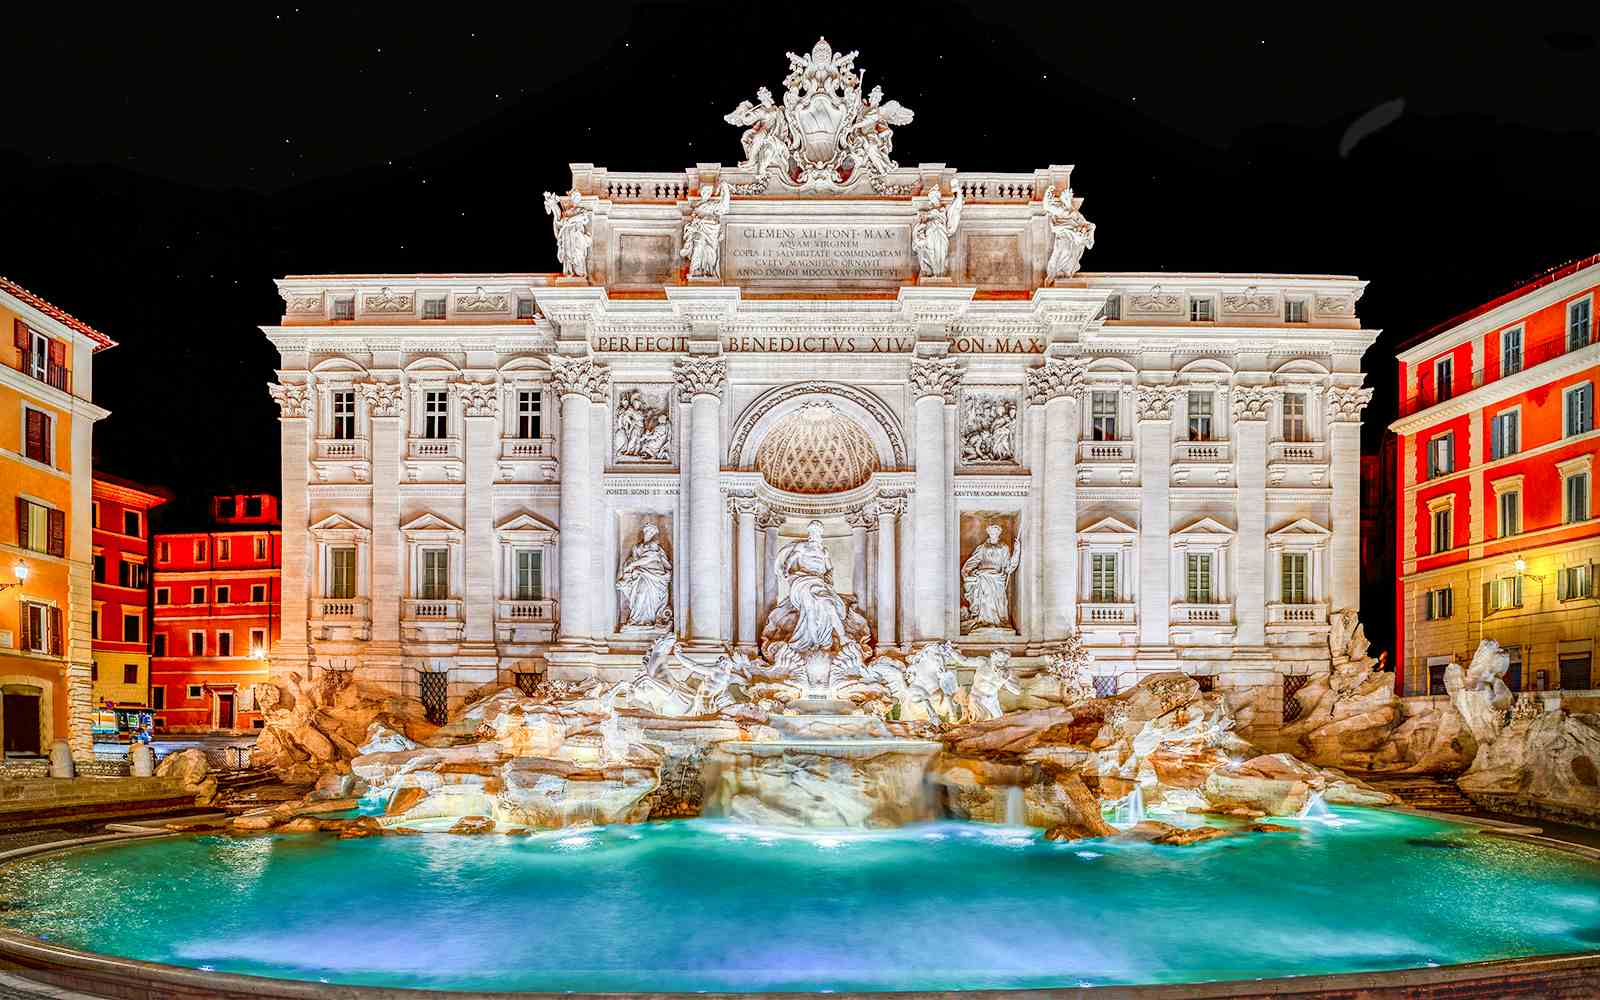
(904, 354)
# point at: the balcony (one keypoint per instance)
(340, 609)
(524, 449)
(1106, 614)
(341, 449)
(1297, 453)
(1202, 614)
(433, 449)
(526, 611)
(1111, 452)
(1203, 452)
(1297, 614)
(423, 609)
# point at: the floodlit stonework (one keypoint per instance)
(491, 477)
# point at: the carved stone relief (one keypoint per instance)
(989, 426)
(641, 425)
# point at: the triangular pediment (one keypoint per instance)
(1204, 526)
(525, 521)
(337, 522)
(429, 522)
(1300, 529)
(1111, 526)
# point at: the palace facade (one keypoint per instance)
(488, 477)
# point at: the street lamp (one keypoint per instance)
(20, 570)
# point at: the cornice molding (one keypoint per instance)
(1500, 389)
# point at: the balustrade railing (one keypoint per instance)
(1297, 614)
(525, 448)
(435, 448)
(340, 608)
(527, 611)
(423, 609)
(1202, 614)
(334, 449)
(1297, 453)
(1105, 451)
(1106, 614)
(999, 187)
(1207, 452)
(644, 187)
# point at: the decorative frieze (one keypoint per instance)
(580, 377)
(641, 425)
(386, 301)
(988, 427)
(302, 303)
(294, 401)
(935, 377)
(1335, 305)
(1249, 303)
(483, 302)
(1155, 302)
(700, 376)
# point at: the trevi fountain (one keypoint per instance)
(986, 628)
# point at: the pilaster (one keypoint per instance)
(1344, 457)
(480, 408)
(1250, 405)
(1154, 403)
(292, 651)
(385, 406)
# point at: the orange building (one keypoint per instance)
(1499, 533)
(46, 437)
(120, 621)
(216, 616)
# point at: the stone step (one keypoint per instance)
(1433, 793)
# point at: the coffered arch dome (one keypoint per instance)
(817, 449)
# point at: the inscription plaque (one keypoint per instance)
(822, 256)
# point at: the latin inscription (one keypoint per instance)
(819, 255)
(792, 343)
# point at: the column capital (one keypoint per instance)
(767, 518)
(580, 377)
(1249, 402)
(1345, 403)
(745, 506)
(861, 519)
(1154, 402)
(887, 507)
(935, 377)
(1057, 377)
(293, 399)
(383, 399)
(700, 376)
(479, 399)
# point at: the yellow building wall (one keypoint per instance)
(108, 684)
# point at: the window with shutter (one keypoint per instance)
(55, 631)
(58, 533)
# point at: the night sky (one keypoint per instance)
(158, 166)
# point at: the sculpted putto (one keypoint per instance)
(571, 222)
(931, 236)
(702, 234)
(645, 582)
(986, 583)
(1071, 233)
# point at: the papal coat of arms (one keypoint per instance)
(825, 133)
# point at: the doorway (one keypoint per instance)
(224, 711)
(21, 722)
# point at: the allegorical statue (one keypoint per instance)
(645, 583)
(870, 139)
(931, 236)
(702, 234)
(812, 615)
(571, 222)
(992, 677)
(986, 583)
(1071, 232)
(767, 140)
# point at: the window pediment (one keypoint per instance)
(339, 522)
(1300, 532)
(1206, 530)
(526, 527)
(1109, 531)
(431, 525)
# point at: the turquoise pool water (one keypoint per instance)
(704, 905)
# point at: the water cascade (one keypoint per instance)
(1016, 814)
(1316, 809)
(1130, 810)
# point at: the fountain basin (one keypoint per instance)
(823, 781)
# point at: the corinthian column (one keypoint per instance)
(1250, 433)
(888, 512)
(1058, 387)
(746, 585)
(1344, 471)
(700, 383)
(578, 382)
(933, 385)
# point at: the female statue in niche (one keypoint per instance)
(986, 583)
(645, 583)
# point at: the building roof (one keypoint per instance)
(1547, 277)
(149, 496)
(56, 313)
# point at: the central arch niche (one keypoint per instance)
(871, 414)
(815, 450)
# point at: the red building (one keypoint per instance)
(1498, 533)
(120, 619)
(216, 616)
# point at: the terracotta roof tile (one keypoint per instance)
(56, 313)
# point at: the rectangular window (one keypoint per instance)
(164, 552)
(163, 595)
(158, 644)
(261, 548)
(435, 574)
(1200, 404)
(132, 628)
(1112, 308)
(258, 642)
(1103, 578)
(1440, 603)
(1103, 416)
(224, 643)
(344, 307)
(94, 514)
(530, 413)
(1198, 578)
(197, 645)
(1505, 433)
(1575, 582)
(258, 593)
(1443, 536)
(1294, 310)
(1201, 310)
(158, 697)
(38, 359)
(200, 550)
(524, 307)
(99, 567)
(130, 524)
(1514, 668)
(197, 595)
(224, 549)
(433, 307)
(94, 623)
(37, 435)
(1579, 409)
(1296, 581)
(1511, 351)
(130, 673)
(342, 572)
(344, 414)
(1444, 378)
(224, 594)
(1505, 592)
(1574, 668)
(1510, 503)
(252, 506)
(195, 691)
(530, 575)
(1442, 455)
(227, 508)
(435, 413)
(1578, 315)
(1577, 487)
(1296, 426)
(131, 574)
(41, 528)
